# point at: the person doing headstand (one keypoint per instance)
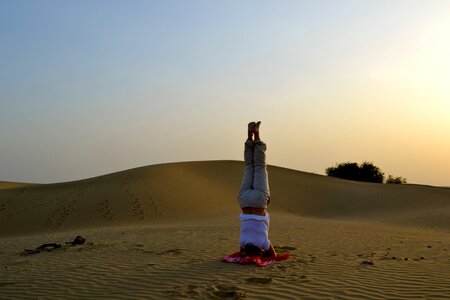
(254, 196)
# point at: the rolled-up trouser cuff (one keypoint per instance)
(259, 153)
(249, 152)
(253, 198)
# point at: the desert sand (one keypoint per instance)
(160, 231)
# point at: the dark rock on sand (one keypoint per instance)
(79, 240)
(367, 262)
(43, 247)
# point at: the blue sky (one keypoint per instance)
(93, 87)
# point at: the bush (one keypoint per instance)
(367, 171)
(397, 180)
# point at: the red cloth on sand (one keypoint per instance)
(260, 261)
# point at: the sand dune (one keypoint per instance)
(10, 185)
(188, 191)
(150, 195)
(160, 231)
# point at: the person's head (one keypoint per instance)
(251, 250)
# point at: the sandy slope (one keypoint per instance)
(160, 231)
(189, 191)
(10, 185)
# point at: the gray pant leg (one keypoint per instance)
(260, 177)
(247, 180)
(254, 190)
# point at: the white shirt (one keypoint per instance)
(255, 230)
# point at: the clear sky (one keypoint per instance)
(93, 87)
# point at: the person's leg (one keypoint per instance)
(260, 177)
(247, 180)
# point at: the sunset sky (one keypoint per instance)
(94, 87)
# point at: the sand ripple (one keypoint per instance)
(183, 261)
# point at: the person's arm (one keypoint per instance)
(272, 251)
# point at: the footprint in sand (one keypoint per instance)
(153, 205)
(260, 280)
(105, 210)
(136, 206)
(171, 251)
(226, 292)
(59, 215)
(4, 204)
(8, 201)
(208, 291)
(187, 290)
(284, 248)
(19, 262)
(138, 212)
(141, 250)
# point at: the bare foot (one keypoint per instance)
(251, 127)
(256, 130)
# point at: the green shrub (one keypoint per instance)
(367, 171)
(397, 180)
